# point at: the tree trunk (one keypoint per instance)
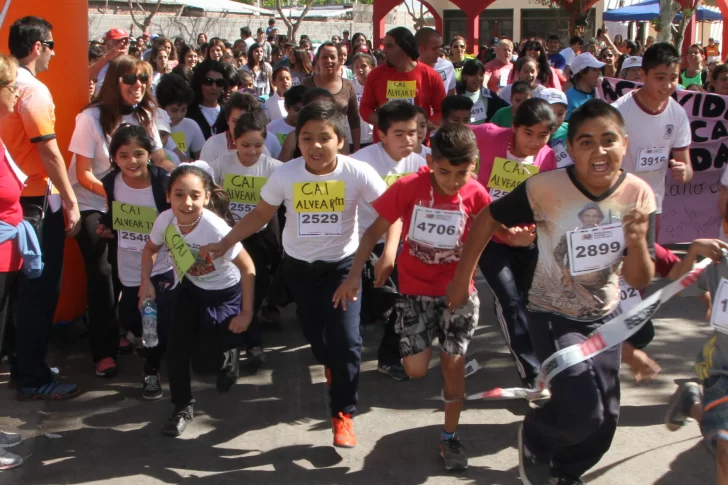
(668, 9)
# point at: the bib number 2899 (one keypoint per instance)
(593, 249)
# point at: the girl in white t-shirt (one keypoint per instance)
(242, 173)
(320, 191)
(214, 304)
(362, 65)
(124, 98)
(275, 105)
(135, 194)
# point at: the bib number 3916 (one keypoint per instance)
(596, 248)
(652, 159)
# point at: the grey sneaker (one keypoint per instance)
(453, 452)
(9, 460)
(8, 440)
(152, 389)
(531, 469)
(678, 410)
(395, 371)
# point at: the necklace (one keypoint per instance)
(191, 224)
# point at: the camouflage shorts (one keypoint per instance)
(422, 318)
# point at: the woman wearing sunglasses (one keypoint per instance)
(125, 97)
(547, 75)
(208, 84)
(457, 55)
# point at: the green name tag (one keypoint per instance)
(244, 188)
(133, 218)
(182, 257)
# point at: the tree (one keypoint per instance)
(293, 26)
(147, 21)
(578, 11)
(419, 20)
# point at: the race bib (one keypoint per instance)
(182, 257)
(181, 140)
(719, 315)
(477, 112)
(652, 159)
(562, 157)
(281, 137)
(402, 91)
(435, 234)
(244, 192)
(507, 175)
(134, 223)
(595, 248)
(629, 297)
(319, 207)
(504, 74)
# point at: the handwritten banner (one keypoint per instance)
(690, 211)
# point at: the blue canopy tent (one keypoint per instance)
(649, 9)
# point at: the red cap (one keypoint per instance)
(116, 34)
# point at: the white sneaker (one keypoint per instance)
(9, 460)
(8, 440)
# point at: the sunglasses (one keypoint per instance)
(131, 79)
(208, 81)
(456, 46)
(48, 43)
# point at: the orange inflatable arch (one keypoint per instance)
(67, 78)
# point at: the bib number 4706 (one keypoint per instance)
(441, 229)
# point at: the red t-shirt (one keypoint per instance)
(398, 202)
(385, 83)
(10, 212)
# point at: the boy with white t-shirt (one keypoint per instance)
(293, 101)
(658, 127)
(173, 96)
(392, 158)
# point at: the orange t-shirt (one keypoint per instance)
(33, 121)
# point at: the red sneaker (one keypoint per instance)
(343, 427)
(106, 367)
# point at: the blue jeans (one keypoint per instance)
(332, 332)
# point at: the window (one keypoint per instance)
(493, 23)
(542, 22)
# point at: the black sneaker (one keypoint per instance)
(152, 387)
(395, 371)
(564, 481)
(177, 423)
(532, 471)
(270, 317)
(228, 375)
(453, 452)
(681, 403)
(256, 357)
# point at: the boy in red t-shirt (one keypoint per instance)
(437, 207)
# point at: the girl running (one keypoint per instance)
(485, 103)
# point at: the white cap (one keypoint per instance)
(204, 166)
(583, 61)
(631, 62)
(164, 122)
(554, 96)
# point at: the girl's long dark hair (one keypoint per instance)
(200, 73)
(544, 69)
(126, 134)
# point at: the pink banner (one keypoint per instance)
(690, 211)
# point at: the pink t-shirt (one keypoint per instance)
(493, 142)
(498, 73)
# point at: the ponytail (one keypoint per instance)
(220, 205)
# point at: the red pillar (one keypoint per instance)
(689, 38)
(379, 16)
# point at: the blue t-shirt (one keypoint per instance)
(557, 61)
(576, 98)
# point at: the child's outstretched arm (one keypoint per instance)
(246, 266)
(707, 248)
(246, 226)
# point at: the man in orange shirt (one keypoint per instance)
(712, 50)
(402, 78)
(48, 200)
(498, 70)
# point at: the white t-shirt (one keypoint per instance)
(447, 72)
(210, 114)
(248, 42)
(651, 138)
(261, 79)
(336, 195)
(366, 131)
(131, 243)
(217, 146)
(387, 168)
(100, 77)
(243, 183)
(568, 54)
(272, 145)
(89, 141)
(505, 93)
(279, 128)
(188, 136)
(275, 106)
(208, 274)
(425, 150)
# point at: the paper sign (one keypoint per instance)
(244, 188)
(402, 90)
(181, 141)
(182, 257)
(319, 196)
(508, 174)
(392, 178)
(133, 218)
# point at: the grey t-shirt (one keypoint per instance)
(712, 360)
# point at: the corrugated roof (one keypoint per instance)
(216, 6)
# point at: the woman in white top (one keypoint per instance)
(261, 70)
(159, 60)
(124, 98)
(208, 83)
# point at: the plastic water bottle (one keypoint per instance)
(149, 324)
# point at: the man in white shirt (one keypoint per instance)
(575, 45)
(247, 35)
(429, 45)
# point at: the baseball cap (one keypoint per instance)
(630, 62)
(260, 30)
(164, 122)
(116, 34)
(346, 32)
(554, 96)
(584, 61)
